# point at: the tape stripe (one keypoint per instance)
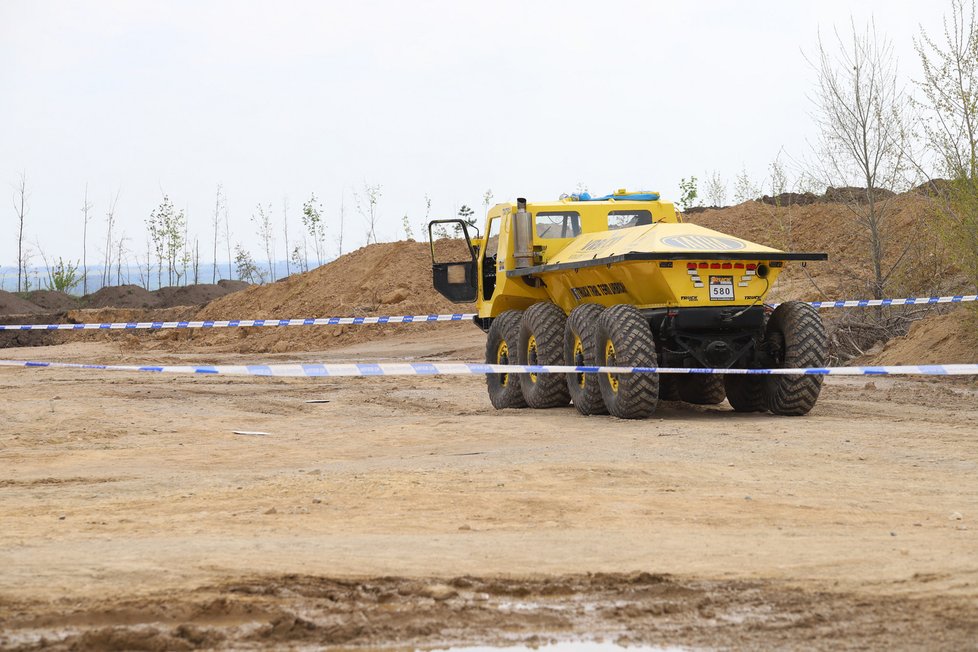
(412, 319)
(314, 370)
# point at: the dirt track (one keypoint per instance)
(132, 517)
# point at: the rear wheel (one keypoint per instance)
(701, 389)
(625, 339)
(541, 343)
(581, 350)
(795, 338)
(746, 393)
(502, 344)
(669, 387)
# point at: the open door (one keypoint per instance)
(452, 275)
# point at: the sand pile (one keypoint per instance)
(52, 300)
(948, 338)
(121, 296)
(925, 269)
(391, 278)
(11, 304)
(196, 295)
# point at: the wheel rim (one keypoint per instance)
(579, 359)
(531, 355)
(611, 361)
(502, 357)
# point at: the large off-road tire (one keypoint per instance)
(502, 345)
(542, 343)
(581, 350)
(625, 339)
(669, 387)
(746, 393)
(701, 389)
(795, 337)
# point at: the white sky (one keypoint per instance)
(276, 99)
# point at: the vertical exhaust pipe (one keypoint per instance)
(522, 235)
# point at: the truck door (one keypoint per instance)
(453, 272)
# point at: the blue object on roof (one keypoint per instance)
(633, 196)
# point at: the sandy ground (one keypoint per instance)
(406, 511)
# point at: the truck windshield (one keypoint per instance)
(563, 224)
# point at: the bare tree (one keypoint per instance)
(367, 207)
(87, 206)
(216, 222)
(109, 225)
(862, 113)
(342, 218)
(263, 222)
(315, 225)
(21, 207)
(285, 229)
(950, 89)
(715, 190)
(227, 235)
(744, 188)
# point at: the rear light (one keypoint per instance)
(751, 266)
(690, 265)
(714, 265)
(738, 265)
(704, 266)
(727, 266)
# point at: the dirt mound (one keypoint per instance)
(391, 278)
(52, 300)
(121, 296)
(196, 295)
(925, 267)
(11, 304)
(948, 338)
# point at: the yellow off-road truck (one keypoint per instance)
(621, 280)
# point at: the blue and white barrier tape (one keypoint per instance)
(409, 319)
(471, 368)
(909, 301)
(236, 323)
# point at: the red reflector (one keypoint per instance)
(727, 266)
(751, 266)
(703, 265)
(738, 265)
(714, 265)
(690, 265)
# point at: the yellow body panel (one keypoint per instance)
(568, 269)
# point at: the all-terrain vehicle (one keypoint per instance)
(621, 280)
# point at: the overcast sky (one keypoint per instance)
(449, 99)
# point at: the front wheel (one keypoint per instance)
(502, 344)
(625, 339)
(795, 338)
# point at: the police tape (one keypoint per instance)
(320, 370)
(411, 319)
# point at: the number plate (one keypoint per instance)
(721, 288)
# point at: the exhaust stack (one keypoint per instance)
(522, 235)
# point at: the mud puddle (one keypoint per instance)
(584, 613)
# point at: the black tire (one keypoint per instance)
(541, 343)
(746, 393)
(502, 345)
(625, 339)
(701, 389)
(795, 337)
(580, 349)
(669, 387)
